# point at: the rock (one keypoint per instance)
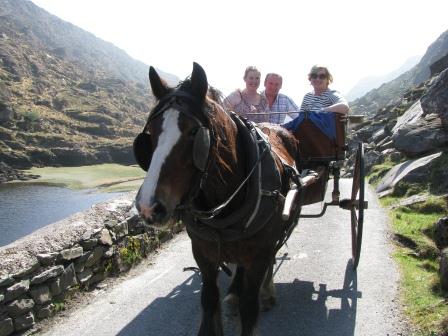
(6, 281)
(411, 116)
(372, 158)
(94, 256)
(410, 171)
(88, 244)
(441, 233)
(45, 311)
(17, 290)
(41, 294)
(19, 307)
(436, 98)
(422, 136)
(6, 327)
(55, 287)
(48, 274)
(121, 229)
(68, 278)
(379, 135)
(439, 65)
(24, 322)
(443, 270)
(105, 237)
(47, 259)
(71, 253)
(84, 276)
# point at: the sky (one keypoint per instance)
(354, 38)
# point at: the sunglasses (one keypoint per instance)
(320, 76)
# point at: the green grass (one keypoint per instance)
(417, 256)
(107, 177)
(378, 172)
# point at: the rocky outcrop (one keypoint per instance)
(435, 100)
(37, 271)
(410, 135)
(10, 174)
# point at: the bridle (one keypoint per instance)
(203, 142)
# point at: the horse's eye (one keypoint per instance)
(192, 133)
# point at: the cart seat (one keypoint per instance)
(321, 136)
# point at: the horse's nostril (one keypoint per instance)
(160, 211)
(154, 213)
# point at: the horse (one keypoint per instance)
(226, 179)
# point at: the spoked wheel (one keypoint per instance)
(357, 204)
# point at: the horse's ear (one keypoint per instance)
(199, 82)
(158, 86)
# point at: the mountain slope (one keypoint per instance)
(389, 93)
(66, 97)
(366, 84)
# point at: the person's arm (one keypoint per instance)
(232, 100)
(341, 107)
(292, 108)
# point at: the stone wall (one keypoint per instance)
(37, 272)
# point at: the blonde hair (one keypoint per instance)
(316, 68)
(249, 69)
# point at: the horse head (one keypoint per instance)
(174, 145)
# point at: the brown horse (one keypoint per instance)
(226, 180)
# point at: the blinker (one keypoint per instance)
(201, 148)
(143, 150)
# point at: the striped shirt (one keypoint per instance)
(314, 103)
(282, 103)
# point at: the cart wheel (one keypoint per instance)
(357, 199)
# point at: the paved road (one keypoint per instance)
(318, 293)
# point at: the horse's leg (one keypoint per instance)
(235, 288)
(249, 300)
(211, 324)
(267, 290)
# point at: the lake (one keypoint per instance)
(26, 208)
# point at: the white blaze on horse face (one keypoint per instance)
(168, 138)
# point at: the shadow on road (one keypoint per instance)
(301, 310)
(168, 315)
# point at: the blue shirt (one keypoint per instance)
(282, 103)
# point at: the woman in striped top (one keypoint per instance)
(322, 99)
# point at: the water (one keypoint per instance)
(26, 208)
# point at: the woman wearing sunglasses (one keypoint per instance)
(322, 99)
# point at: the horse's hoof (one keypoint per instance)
(267, 303)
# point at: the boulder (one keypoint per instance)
(372, 158)
(441, 233)
(411, 116)
(436, 98)
(409, 171)
(421, 136)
